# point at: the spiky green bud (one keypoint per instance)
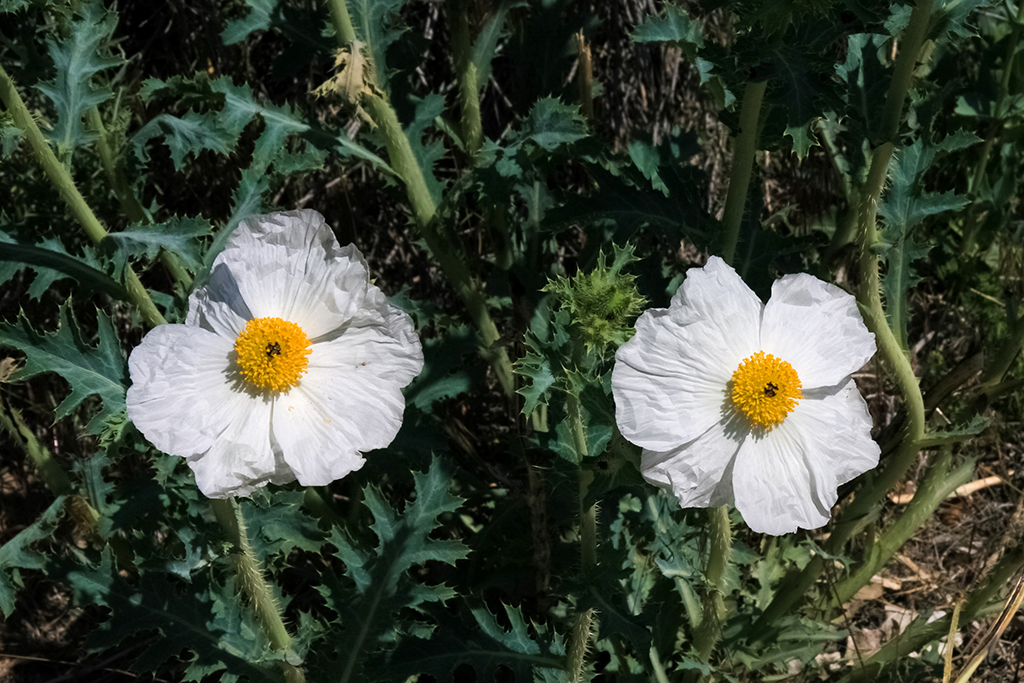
(602, 303)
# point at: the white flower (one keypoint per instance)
(734, 401)
(289, 364)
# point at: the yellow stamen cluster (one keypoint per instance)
(765, 389)
(272, 353)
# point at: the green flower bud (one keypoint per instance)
(602, 303)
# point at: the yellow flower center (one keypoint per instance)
(272, 353)
(765, 389)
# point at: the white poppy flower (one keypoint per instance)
(734, 401)
(289, 364)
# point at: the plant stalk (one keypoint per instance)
(62, 180)
(469, 85)
(253, 583)
(710, 628)
(744, 148)
(424, 210)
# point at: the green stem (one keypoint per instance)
(126, 195)
(743, 152)
(424, 210)
(937, 485)
(714, 602)
(903, 71)
(62, 180)
(253, 584)
(49, 469)
(588, 516)
(795, 586)
(469, 86)
(403, 161)
(342, 22)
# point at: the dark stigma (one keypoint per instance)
(770, 389)
(273, 350)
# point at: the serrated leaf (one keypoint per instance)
(646, 158)
(99, 370)
(13, 5)
(867, 80)
(427, 109)
(485, 646)
(803, 139)
(205, 627)
(188, 135)
(382, 583)
(10, 137)
(258, 18)
(673, 25)
(963, 432)
(904, 206)
(78, 58)
(178, 236)
(277, 525)
(16, 553)
(552, 124)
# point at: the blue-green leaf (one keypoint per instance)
(552, 123)
(672, 26)
(261, 13)
(178, 236)
(78, 58)
(98, 370)
(16, 553)
(185, 136)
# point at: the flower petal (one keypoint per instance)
(289, 265)
(816, 327)
(788, 478)
(183, 399)
(698, 472)
(670, 379)
(350, 400)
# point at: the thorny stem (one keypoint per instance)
(938, 483)
(469, 85)
(743, 152)
(869, 298)
(424, 210)
(254, 585)
(62, 180)
(126, 196)
(714, 601)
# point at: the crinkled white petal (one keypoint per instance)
(349, 402)
(185, 399)
(289, 266)
(243, 458)
(774, 486)
(816, 328)
(788, 478)
(838, 429)
(670, 379)
(669, 386)
(699, 472)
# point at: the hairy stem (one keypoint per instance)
(744, 148)
(62, 180)
(469, 85)
(938, 483)
(253, 584)
(710, 628)
(424, 210)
